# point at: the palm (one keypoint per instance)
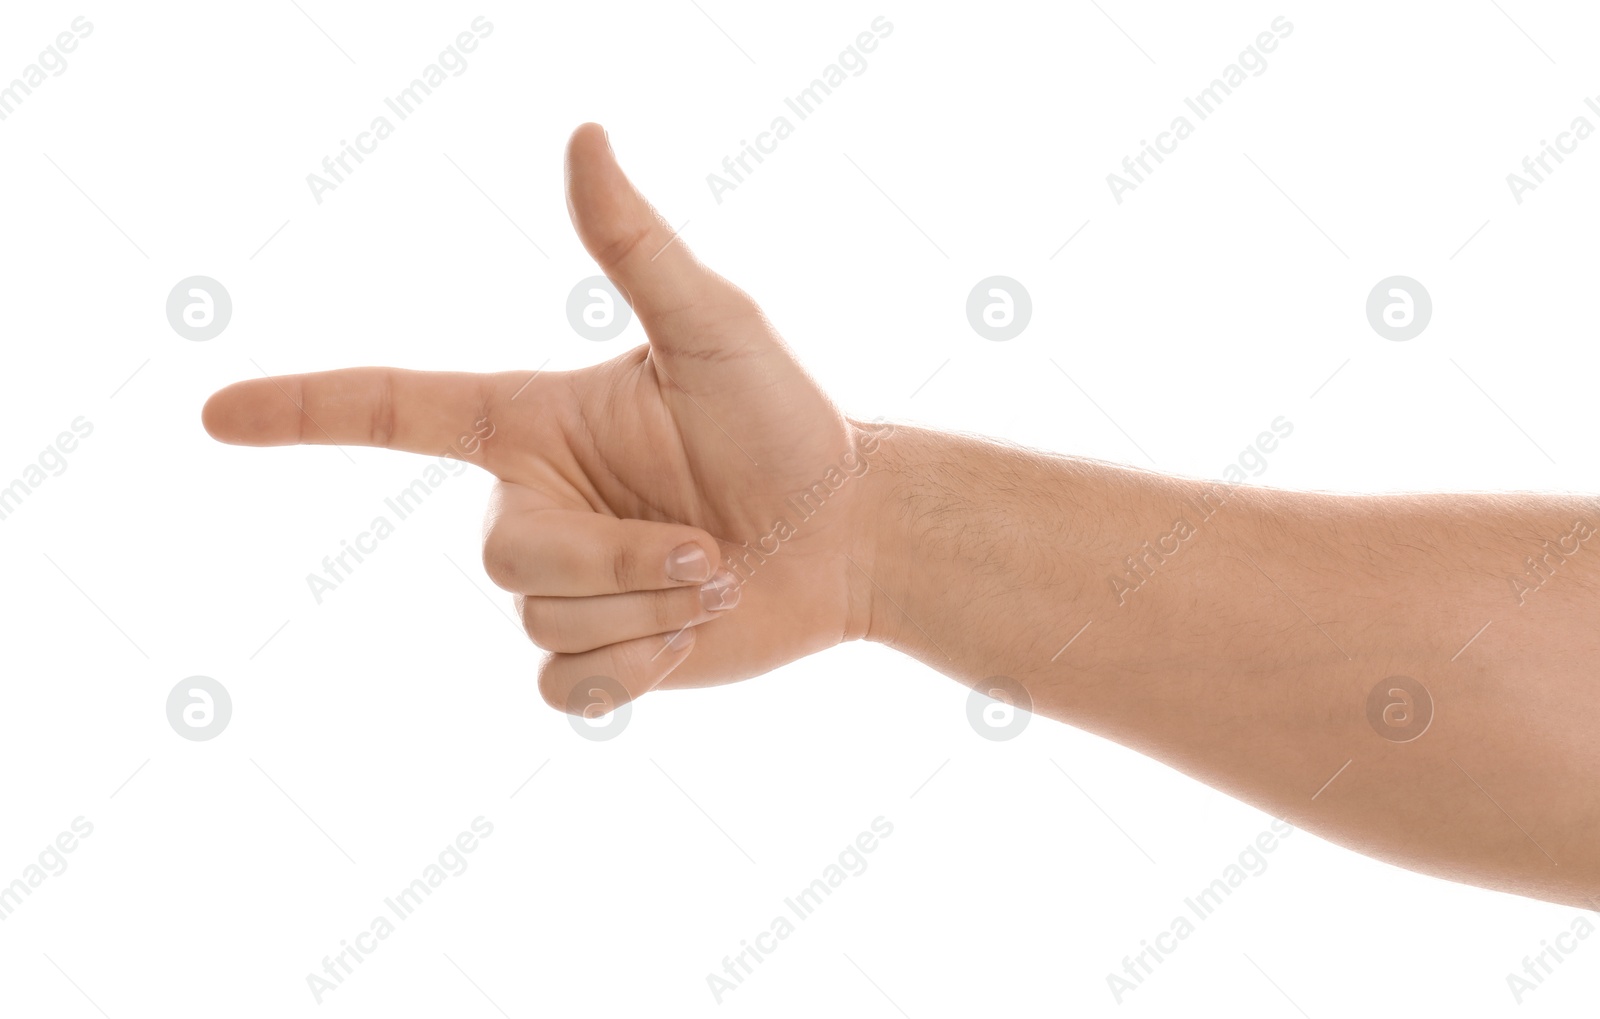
(633, 440)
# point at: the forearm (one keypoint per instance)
(1238, 633)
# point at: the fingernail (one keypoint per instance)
(720, 592)
(689, 564)
(680, 640)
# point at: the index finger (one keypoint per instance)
(418, 412)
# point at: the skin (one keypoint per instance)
(1244, 653)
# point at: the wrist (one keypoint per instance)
(959, 531)
(882, 563)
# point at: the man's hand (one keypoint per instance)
(1245, 636)
(650, 516)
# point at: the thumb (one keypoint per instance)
(707, 335)
(635, 246)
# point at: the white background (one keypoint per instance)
(404, 706)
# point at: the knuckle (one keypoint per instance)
(499, 563)
(618, 248)
(551, 689)
(532, 625)
(541, 620)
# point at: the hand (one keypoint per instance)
(685, 514)
(993, 562)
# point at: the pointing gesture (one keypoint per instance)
(696, 511)
(675, 516)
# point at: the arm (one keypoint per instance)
(660, 524)
(1239, 634)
